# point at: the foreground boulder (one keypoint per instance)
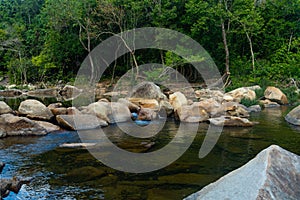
(146, 114)
(99, 109)
(80, 122)
(20, 126)
(293, 117)
(275, 94)
(212, 107)
(231, 121)
(118, 113)
(273, 174)
(48, 126)
(147, 90)
(4, 108)
(35, 110)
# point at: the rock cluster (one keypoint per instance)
(146, 100)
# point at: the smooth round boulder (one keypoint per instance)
(35, 110)
(275, 94)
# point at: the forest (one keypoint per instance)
(255, 41)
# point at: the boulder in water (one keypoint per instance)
(35, 110)
(273, 174)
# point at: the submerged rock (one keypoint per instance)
(273, 174)
(80, 122)
(254, 108)
(231, 121)
(12, 185)
(293, 117)
(35, 110)
(276, 95)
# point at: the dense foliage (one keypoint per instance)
(46, 40)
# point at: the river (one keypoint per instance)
(61, 173)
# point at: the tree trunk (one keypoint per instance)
(251, 51)
(226, 48)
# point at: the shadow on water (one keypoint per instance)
(74, 174)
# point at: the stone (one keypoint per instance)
(13, 185)
(177, 100)
(227, 98)
(145, 103)
(293, 117)
(231, 121)
(20, 126)
(80, 122)
(73, 111)
(192, 113)
(276, 95)
(35, 110)
(146, 114)
(269, 104)
(235, 109)
(273, 174)
(242, 93)
(11, 93)
(48, 126)
(4, 108)
(254, 108)
(55, 105)
(119, 113)
(83, 174)
(3, 133)
(51, 92)
(2, 165)
(212, 107)
(208, 94)
(254, 87)
(132, 107)
(59, 111)
(165, 106)
(147, 90)
(70, 92)
(99, 109)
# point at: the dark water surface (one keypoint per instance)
(74, 174)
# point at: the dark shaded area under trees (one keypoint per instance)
(258, 42)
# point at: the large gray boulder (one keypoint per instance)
(147, 90)
(35, 110)
(99, 109)
(4, 108)
(20, 126)
(119, 112)
(273, 174)
(293, 117)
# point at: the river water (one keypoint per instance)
(61, 173)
